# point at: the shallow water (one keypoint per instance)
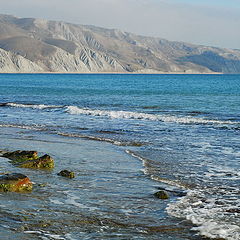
(110, 198)
(126, 136)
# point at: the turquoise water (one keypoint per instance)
(184, 129)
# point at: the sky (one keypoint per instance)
(205, 22)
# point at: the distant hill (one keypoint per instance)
(36, 45)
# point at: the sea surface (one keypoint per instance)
(126, 136)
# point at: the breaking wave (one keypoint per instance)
(209, 217)
(74, 110)
(33, 106)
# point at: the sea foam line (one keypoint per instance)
(100, 139)
(33, 106)
(74, 110)
(204, 215)
(21, 126)
(153, 177)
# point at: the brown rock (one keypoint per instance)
(20, 156)
(161, 195)
(66, 173)
(15, 182)
(44, 162)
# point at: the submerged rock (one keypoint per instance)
(44, 162)
(29, 159)
(177, 193)
(161, 195)
(66, 173)
(20, 156)
(15, 182)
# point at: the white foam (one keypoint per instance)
(144, 161)
(212, 229)
(71, 200)
(34, 106)
(223, 172)
(205, 215)
(20, 126)
(90, 138)
(153, 177)
(74, 110)
(45, 235)
(55, 201)
(168, 181)
(69, 236)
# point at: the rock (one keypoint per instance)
(42, 184)
(66, 173)
(21, 156)
(177, 193)
(15, 182)
(161, 195)
(1, 151)
(29, 159)
(44, 162)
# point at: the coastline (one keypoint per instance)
(121, 73)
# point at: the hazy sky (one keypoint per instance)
(207, 22)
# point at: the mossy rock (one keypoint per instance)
(161, 195)
(29, 159)
(21, 156)
(44, 162)
(67, 174)
(15, 182)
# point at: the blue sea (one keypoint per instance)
(126, 136)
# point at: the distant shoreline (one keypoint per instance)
(127, 73)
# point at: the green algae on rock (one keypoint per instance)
(15, 182)
(66, 173)
(20, 156)
(44, 162)
(161, 195)
(30, 159)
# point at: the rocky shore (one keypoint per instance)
(17, 182)
(108, 195)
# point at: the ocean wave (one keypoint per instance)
(33, 106)
(208, 213)
(208, 217)
(74, 110)
(37, 128)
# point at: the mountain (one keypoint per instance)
(37, 45)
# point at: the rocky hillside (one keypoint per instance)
(36, 45)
